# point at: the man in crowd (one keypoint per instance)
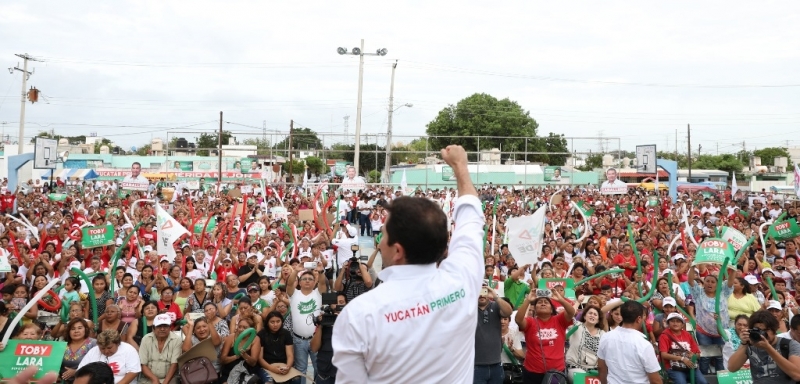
(624, 356)
(772, 359)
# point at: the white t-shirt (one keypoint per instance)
(303, 308)
(628, 355)
(126, 360)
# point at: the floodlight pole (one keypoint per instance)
(361, 54)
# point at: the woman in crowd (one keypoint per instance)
(185, 289)
(740, 325)
(219, 296)
(512, 341)
(677, 349)
(741, 302)
(192, 272)
(112, 319)
(705, 313)
(541, 357)
(777, 309)
(146, 281)
(101, 295)
(111, 350)
(245, 310)
(662, 291)
(5, 321)
(196, 301)
(198, 330)
(166, 305)
(76, 311)
(127, 283)
(137, 329)
(281, 305)
(277, 347)
(235, 369)
(26, 332)
(212, 316)
(78, 345)
(584, 342)
(131, 305)
(267, 294)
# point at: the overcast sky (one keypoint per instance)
(637, 71)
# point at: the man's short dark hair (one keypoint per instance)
(763, 316)
(630, 311)
(98, 372)
(420, 226)
(795, 323)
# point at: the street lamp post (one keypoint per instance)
(360, 53)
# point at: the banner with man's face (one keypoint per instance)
(613, 185)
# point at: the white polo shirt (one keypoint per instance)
(388, 334)
(628, 356)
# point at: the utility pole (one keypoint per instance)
(699, 148)
(219, 150)
(388, 162)
(291, 168)
(676, 144)
(25, 75)
(264, 133)
(689, 140)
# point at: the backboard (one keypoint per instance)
(45, 153)
(646, 159)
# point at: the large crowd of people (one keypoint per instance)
(617, 294)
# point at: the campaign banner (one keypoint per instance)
(99, 236)
(613, 185)
(586, 209)
(652, 201)
(257, 229)
(57, 196)
(201, 223)
(590, 378)
(185, 166)
(784, 230)
(278, 213)
(742, 376)
(714, 251)
(568, 284)
(340, 168)
(134, 185)
(552, 174)
(243, 165)
(734, 237)
(21, 354)
(447, 173)
(5, 266)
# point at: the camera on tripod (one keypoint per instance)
(329, 314)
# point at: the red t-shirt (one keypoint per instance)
(551, 334)
(174, 310)
(665, 343)
(223, 272)
(617, 285)
(621, 259)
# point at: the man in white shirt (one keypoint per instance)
(304, 304)
(346, 236)
(624, 356)
(377, 336)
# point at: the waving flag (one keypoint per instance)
(404, 182)
(169, 231)
(525, 236)
(735, 188)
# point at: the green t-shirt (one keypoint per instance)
(260, 305)
(515, 291)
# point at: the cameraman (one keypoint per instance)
(762, 346)
(353, 280)
(344, 239)
(322, 346)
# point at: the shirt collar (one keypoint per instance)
(407, 272)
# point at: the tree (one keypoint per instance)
(297, 166)
(316, 165)
(143, 150)
(339, 150)
(207, 141)
(681, 158)
(769, 154)
(483, 115)
(105, 141)
(553, 143)
(593, 161)
(726, 162)
(374, 176)
(262, 145)
(302, 138)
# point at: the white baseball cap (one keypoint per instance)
(774, 304)
(675, 315)
(162, 319)
(750, 279)
(669, 301)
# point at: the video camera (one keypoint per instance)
(329, 314)
(353, 267)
